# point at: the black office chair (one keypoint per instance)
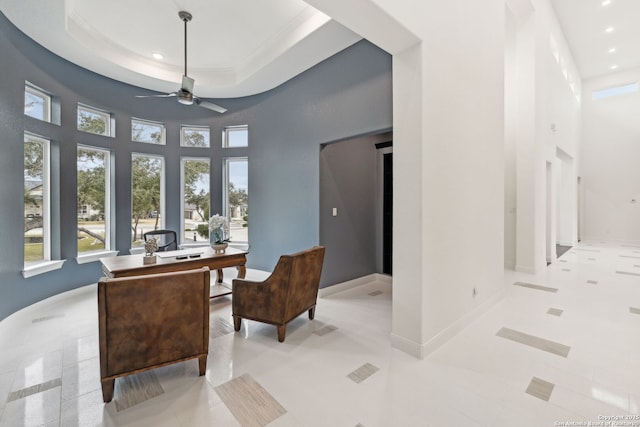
(167, 239)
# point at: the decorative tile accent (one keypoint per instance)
(375, 293)
(591, 259)
(563, 260)
(325, 330)
(38, 388)
(592, 282)
(636, 265)
(566, 269)
(630, 246)
(362, 373)
(555, 312)
(630, 256)
(219, 327)
(628, 273)
(634, 310)
(538, 287)
(535, 342)
(251, 404)
(44, 319)
(540, 388)
(137, 388)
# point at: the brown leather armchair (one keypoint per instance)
(291, 290)
(150, 321)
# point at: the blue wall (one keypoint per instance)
(347, 95)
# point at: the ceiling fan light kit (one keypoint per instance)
(185, 93)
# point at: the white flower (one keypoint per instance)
(219, 228)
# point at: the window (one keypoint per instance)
(195, 200)
(95, 121)
(147, 200)
(615, 91)
(194, 136)
(236, 198)
(93, 201)
(147, 131)
(37, 103)
(235, 136)
(37, 242)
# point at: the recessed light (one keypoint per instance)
(613, 67)
(612, 50)
(606, 2)
(157, 55)
(609, 29)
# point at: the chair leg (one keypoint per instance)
(237, 320)
(312, 312)
(282, 330)
(202, 364)
(107, 390)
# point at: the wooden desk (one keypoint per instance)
(132, 265)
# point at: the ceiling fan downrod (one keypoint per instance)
(186, 17)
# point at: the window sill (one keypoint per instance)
(95, 256)
(194, 245)
(41, 267)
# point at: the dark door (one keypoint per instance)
(387, 213)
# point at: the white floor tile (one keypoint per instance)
(475, 379)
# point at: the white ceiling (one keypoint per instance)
(235, 47)
(584, 23)
(243, 47)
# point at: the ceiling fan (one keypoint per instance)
(185, 94)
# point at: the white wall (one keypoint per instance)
(609, 161)
(548, 118)
(448, 156)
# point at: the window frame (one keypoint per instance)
(36, 91)
(181, 234)
(109, 122)
(163, 216)
(225, 188)
(145, 122)
(228, 130)
(184, 128)
(88, 256)
(46, 198)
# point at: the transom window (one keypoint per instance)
(94, 120)
(235, 136)
(194, 136)
(37, 103)
(148, 131)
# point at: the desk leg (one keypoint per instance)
(219, 274)
(242, 271)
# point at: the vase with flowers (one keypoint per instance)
(218, 233)
(150, 247)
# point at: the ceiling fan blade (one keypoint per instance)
(166, 95)
(187, 83)
(209, 105)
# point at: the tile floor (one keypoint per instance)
(339, 370)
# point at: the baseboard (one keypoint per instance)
(524, 269)
(423, 350)
(412, 348)
(354, 283)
